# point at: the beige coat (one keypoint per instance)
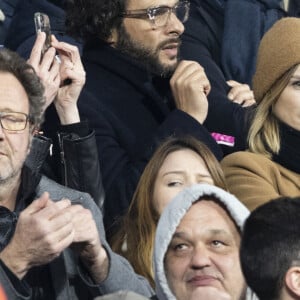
(255, 179)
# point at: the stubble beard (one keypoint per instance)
(10, 174)
(148, 58)
(11, 166)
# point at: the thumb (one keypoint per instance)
(38, 204)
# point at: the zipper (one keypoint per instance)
(62, 158)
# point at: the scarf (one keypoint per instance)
(289, 154)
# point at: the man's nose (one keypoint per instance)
(200, 257)
(175, 25)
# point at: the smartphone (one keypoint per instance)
(42, 24)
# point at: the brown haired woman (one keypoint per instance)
(177, 163)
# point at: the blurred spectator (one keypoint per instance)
(270, 250)
(7, 8)
(21, 32)
(227, 34)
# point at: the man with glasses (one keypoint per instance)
(52, 241)
(137, 92)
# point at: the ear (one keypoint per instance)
(292, 280)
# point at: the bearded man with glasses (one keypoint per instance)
(138, 92)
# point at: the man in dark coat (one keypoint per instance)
(139, 92)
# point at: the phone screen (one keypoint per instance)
(42, 24)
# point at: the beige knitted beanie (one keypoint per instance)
(279, 50)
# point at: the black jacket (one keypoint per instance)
(74, 160)
(130, 113)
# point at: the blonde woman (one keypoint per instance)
(271, 166)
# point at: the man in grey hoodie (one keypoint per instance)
(196, 252)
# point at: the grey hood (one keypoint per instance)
(171, 218)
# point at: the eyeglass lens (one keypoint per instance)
(13, 121)
(162, 14)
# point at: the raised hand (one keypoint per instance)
(190, 88)
(47, 68)
(72, 76)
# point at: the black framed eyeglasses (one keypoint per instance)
(13, 121)
(160, 15)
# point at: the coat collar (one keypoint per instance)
(157, 91)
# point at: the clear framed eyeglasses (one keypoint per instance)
(160, 15)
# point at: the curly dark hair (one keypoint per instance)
(90, 19)
(11, 62)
